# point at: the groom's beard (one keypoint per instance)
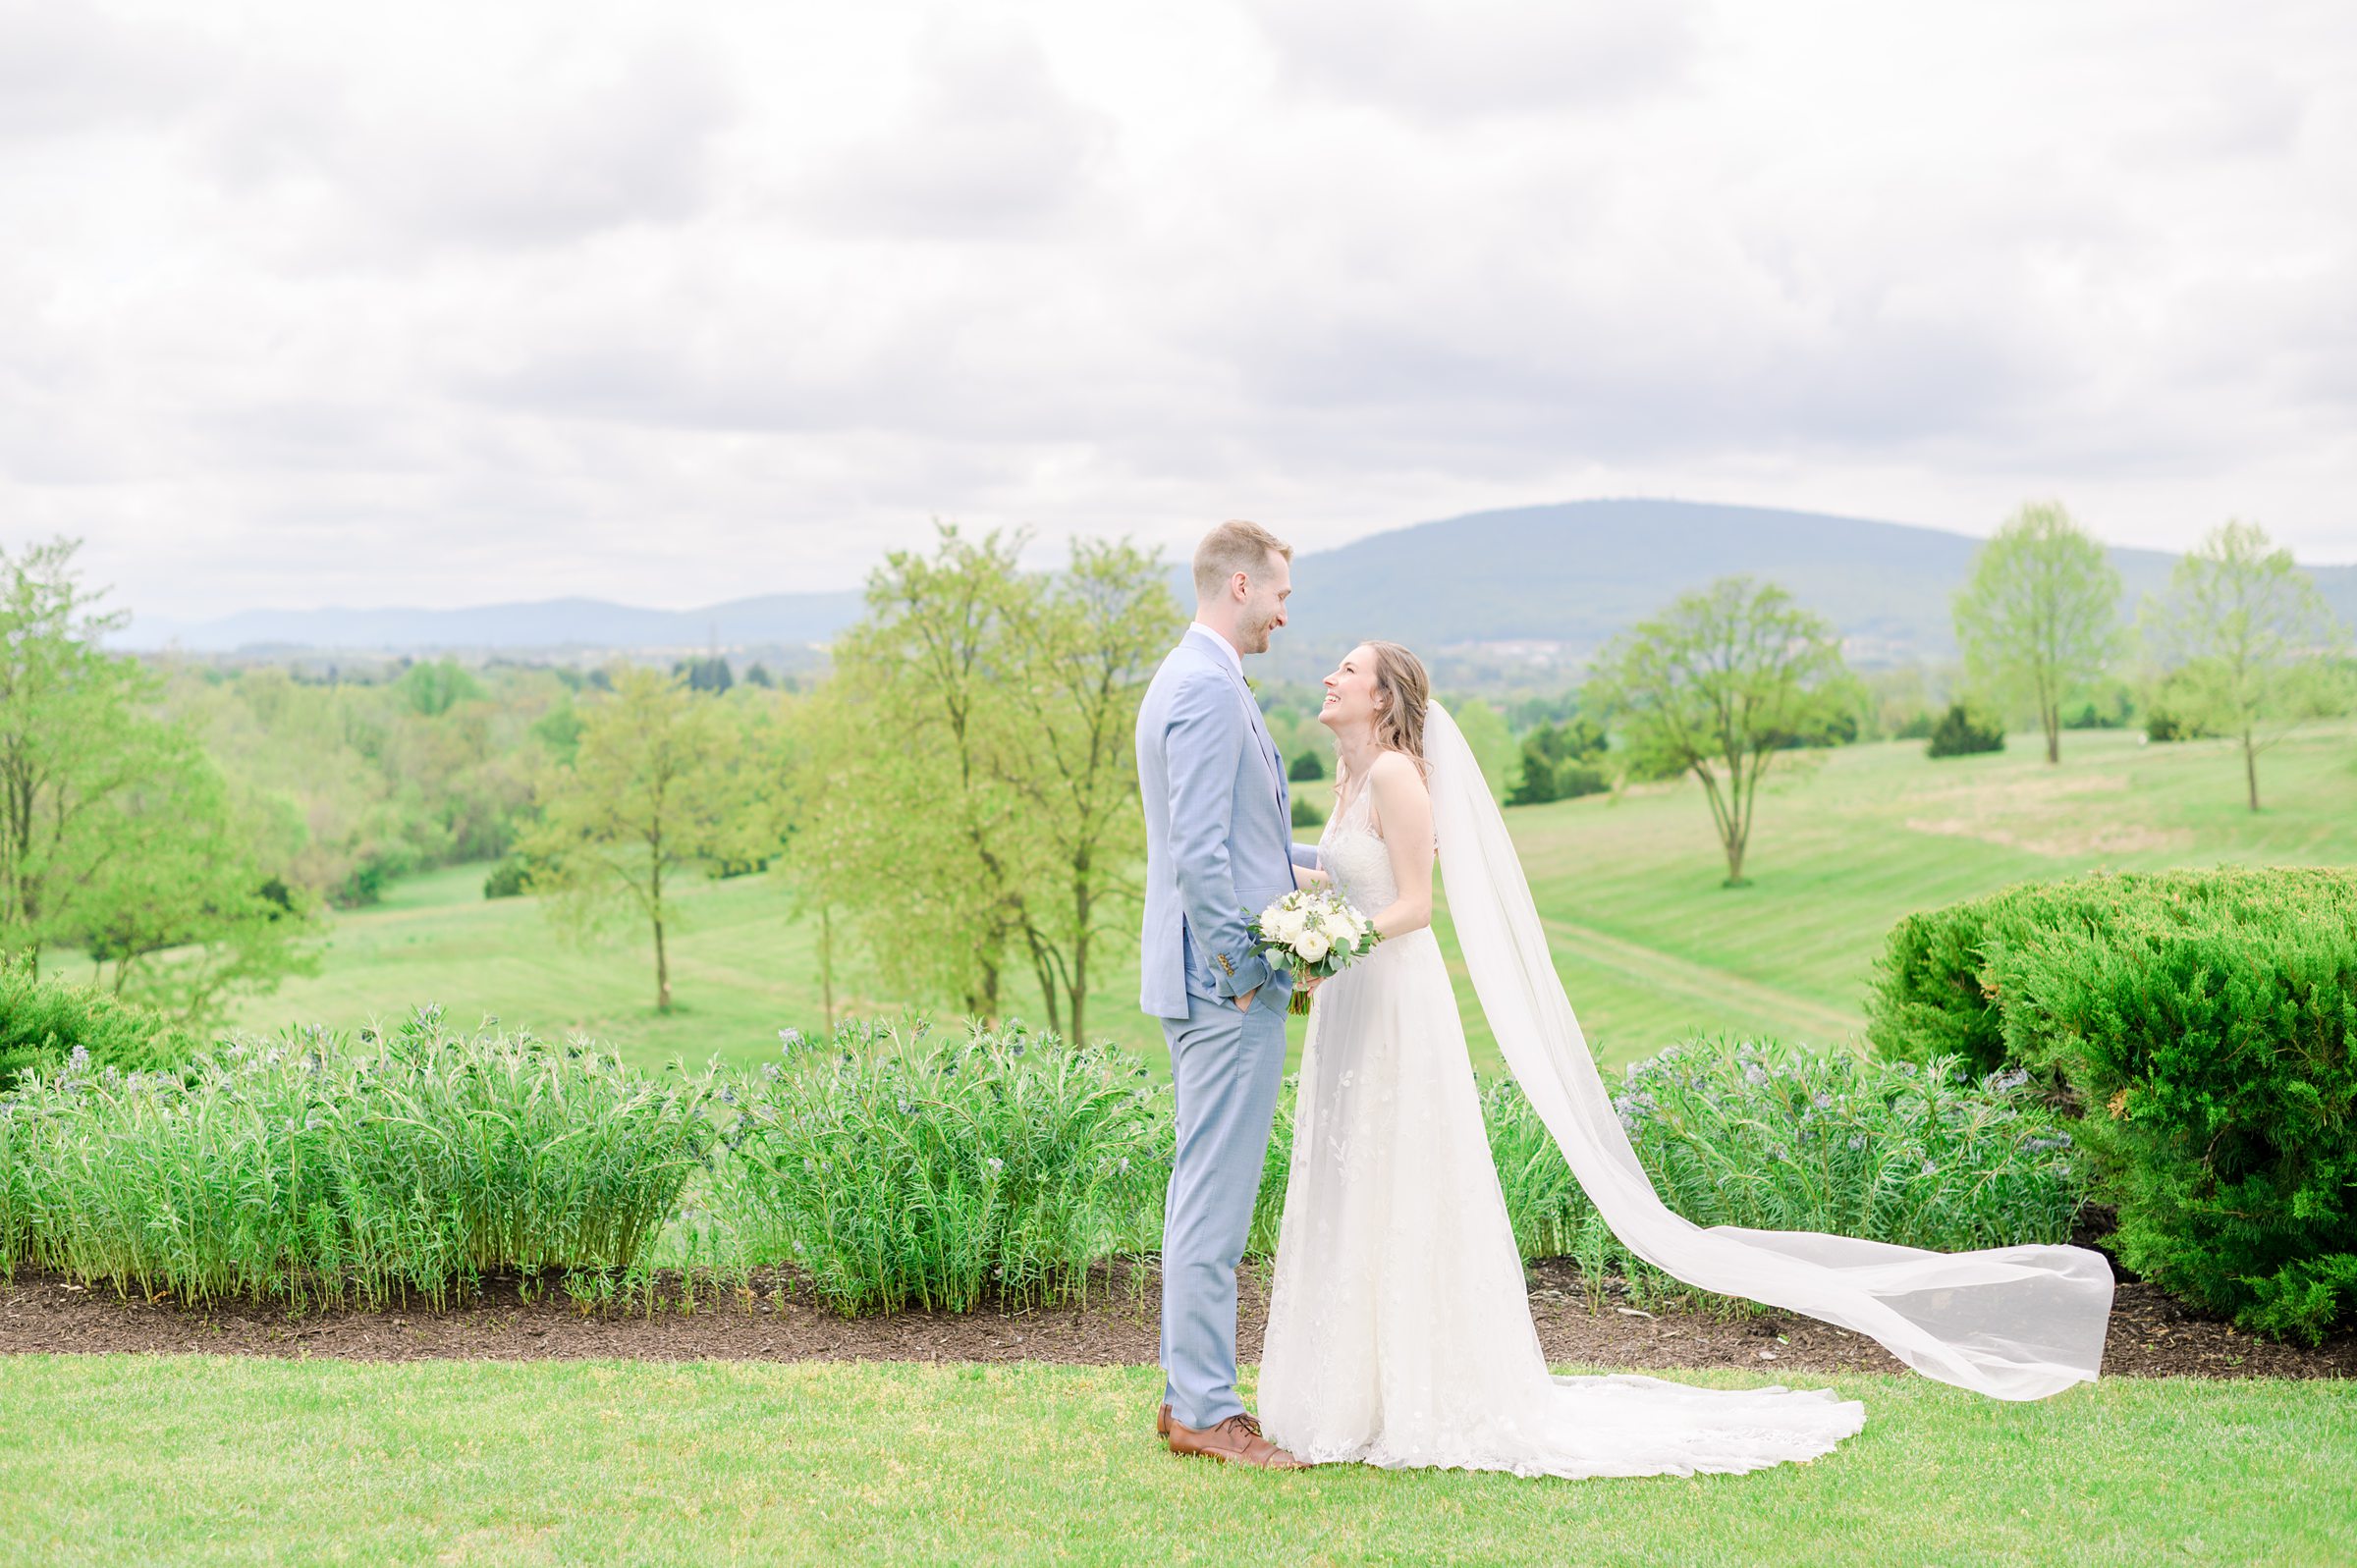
(1253, 636)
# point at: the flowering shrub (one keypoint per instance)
(301, 1170)
(899, 1171)
(1771, 1137)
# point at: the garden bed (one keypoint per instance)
(777, 1319)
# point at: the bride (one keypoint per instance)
(1398, 1332)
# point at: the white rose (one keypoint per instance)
(1339, 926)
(1313, 947)
(1288, 925)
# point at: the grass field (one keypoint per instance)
(205, 1460)
(1648, 943)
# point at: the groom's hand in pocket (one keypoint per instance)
(1244, 1004)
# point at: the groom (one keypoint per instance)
(1219, 842)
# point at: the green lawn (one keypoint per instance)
(1649, 945)
(199, 1460)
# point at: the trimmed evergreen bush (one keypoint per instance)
(43, 1022)
(1305, 769)
(1961, 733)
(1306, 814)
(2206, 1023)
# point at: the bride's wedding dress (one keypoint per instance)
(1400, 1333)
(1398, 1330)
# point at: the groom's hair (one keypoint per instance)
(1232, 547)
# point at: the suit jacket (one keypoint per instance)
(1219, 829)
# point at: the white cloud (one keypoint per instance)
(442, 304)
(1452, 58)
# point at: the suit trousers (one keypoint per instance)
(1226, 1068)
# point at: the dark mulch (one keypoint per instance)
(776, 1321)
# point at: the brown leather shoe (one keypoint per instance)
(1237, 1440)
(1162, 1424)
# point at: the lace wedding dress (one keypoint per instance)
(1398, 1333)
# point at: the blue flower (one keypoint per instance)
(994, 1164)
(788, 1039)
(1755, 1074)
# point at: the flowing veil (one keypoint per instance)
(2013, 1322)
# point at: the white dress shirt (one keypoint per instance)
(1226, 647)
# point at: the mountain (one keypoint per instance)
(1462, 590)
(1572, 575)
(786, 619)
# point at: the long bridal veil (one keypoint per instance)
(2014, 1323)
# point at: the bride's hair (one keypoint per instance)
(1402, 691)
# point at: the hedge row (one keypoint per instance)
(2203, 1025)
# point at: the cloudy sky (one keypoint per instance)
(307, 304)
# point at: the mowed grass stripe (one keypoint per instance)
(1789, 1015)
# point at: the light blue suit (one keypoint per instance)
(1219, 845)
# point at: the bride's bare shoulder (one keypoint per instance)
(1395, 773)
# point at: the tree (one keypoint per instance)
(2248, 644)
(1489, 739)
(992, 745)
(1718, 686)
(658, 785)
(835, 826)
(1305, 767)
(2038, 616)
(1081, 648)
(436, 687)
(707, 675)
(1561, 762)
(182, 910)
(927, 671)
(117, 837)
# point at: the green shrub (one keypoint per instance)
(1305, 769)
(1306, 815)
(44, 1022)
(300, 1170)
(2205, 1022)
(994, 1166)
(510, 878)
(1774, 1137)
(1961, 733)
(1561, 762)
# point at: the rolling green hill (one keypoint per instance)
(1650, 947)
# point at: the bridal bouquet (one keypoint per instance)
(1312, 931)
